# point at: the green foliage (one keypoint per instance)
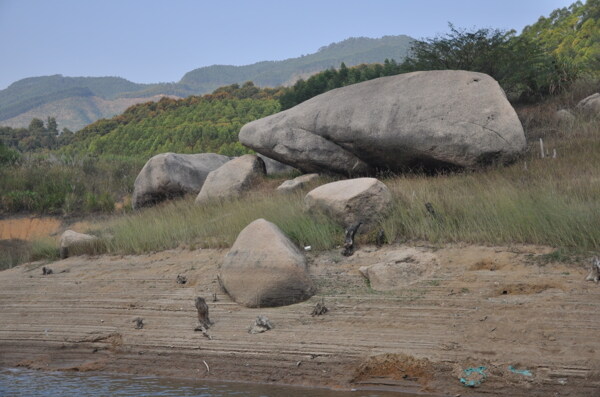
(193, 125)
(66, 186)
(335, 78)
(8, 156)
(35, 137)
(522, 67)
(571, 35)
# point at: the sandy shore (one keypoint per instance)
(481, 306)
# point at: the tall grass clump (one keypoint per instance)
(552, 200)
(14, 252)
(47, 184)
(217, 225)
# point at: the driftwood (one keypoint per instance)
(202, 308)
(319, 308)
(594, 271)
(139, 323)
(349, 240)
(261, 324)
(204, 322)
(380, 239)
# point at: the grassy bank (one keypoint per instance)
(549, 201)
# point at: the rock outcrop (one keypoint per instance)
(298, 183)
(400, 268)
(169, 175)
(232, 179)
(350, 201)
(590, 106)
(264, 268)
(430, 120)
(73, 243)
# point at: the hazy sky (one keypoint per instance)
(149, 41)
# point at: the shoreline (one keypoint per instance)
(478, 306)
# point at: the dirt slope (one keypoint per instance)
(480, 306)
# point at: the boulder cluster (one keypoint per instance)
(431, 121)
(588, 107)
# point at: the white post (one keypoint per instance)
(542, 147)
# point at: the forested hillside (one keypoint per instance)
(353, 51)
(196, 124)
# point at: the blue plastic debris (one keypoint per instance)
(476, 376)
(523, 372)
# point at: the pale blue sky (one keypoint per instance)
(149, 41)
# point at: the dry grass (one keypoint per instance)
(217, 225)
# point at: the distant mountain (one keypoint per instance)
(75, 112)
(66, 97)
(352, 52)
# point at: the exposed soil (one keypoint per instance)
(34, 227)
(480, 306)
(28, 228)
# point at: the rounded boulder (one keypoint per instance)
(264, 268)
(350, 201)
(232, 179)
(170, 175)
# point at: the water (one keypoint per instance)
(28, 383)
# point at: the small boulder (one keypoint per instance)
(351, 201)
(590, 106)
(399, 269)
(232, 179)
(264, 268)
(564, 116)
(275, 167)
(296, 184)
(170, 175)
(73, 243)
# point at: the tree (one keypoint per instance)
(520, 65)
(36, 126)
(51, 125)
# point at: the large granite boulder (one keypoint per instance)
(297, 183)
(431, 120)
(350, 201)
(590, 106)
(264, 268)
(73, 243)
(169, 175)
(232, 179)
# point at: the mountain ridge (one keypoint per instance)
(32, 95)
